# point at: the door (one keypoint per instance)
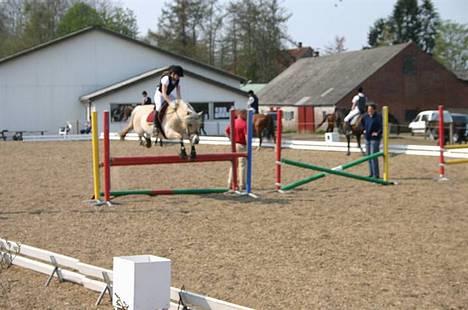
(305, 119)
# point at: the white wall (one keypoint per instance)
(193, 90)
(41, 90)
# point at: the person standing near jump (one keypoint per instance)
(240, 138)
(252, 103)
(163, 95)
(373, 127)
(146, 99)
(359, 105)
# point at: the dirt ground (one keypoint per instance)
(334, 243)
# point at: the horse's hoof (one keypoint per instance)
(348, 153)
(183, 155)
(148, 143)
(193, 156)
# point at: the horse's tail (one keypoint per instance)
(129, 127)
(323, 121)
(271, 128)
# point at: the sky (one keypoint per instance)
(315, 23)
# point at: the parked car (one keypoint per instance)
(460, 127)
(426, 123)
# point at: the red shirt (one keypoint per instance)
(240, 131)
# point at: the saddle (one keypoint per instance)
(160, 116)
(355, 118)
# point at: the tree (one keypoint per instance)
(451, 45)
(120, 20)
(405, 23)
(429, 23)
(336, 47)
(408, 22)
(41, 19)
(79, 16)
(254, 34)
(25, 23)
(180, 27)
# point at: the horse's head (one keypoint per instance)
(191, 120)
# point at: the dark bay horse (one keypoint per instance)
(264, 125)
(350, 130)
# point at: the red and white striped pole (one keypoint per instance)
(441, 142)
(279, 133)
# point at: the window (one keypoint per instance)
(202, 107)
(121, 112)
(221, 109)
(288, 115)
(409, 65)
(410, 115)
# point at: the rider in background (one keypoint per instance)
(359, 105)
(253, 101)
(168, 82)
(146, 99)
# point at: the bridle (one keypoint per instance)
(187, 125)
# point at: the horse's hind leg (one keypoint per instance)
(358, 138)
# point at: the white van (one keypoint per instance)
(419, 124)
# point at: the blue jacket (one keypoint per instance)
(372, 124)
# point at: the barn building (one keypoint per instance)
(62, 80)
(400, 76)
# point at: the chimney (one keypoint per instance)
(299, 44)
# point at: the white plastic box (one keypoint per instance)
(142, 282)
(332, 137)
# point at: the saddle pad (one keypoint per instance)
(161, 114)
(150, 118)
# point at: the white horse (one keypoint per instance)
(179, 123)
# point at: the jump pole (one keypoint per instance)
(279, 134)
(338, 170)
(232, 119)
(95, 152)
(385, 133)
(442, 161)
(441, 144)
(250, 126)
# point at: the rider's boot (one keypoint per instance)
(157, 124)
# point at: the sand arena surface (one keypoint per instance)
(334, 243)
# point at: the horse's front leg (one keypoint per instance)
(259, 134)
(348, 139)
(182, 152)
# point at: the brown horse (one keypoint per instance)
(264, 125)
(350, 130)
(330, 118)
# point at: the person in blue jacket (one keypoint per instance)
(373, 126)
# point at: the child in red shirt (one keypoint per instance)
(240, 137)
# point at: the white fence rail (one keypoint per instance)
(421, 150)
(92, 277)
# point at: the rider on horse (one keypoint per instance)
(168, 82)
(359, 106)
(253, 101)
